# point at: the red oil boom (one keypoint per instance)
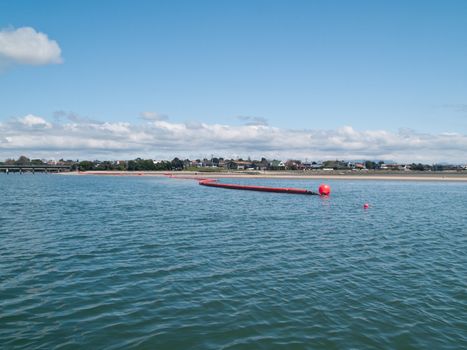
(324, 190)
(214, 183)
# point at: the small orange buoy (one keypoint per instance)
(324, 190)
(366, 206)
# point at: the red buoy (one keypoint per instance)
(324, 190)
(366, 206)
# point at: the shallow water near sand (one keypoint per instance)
(157, 263)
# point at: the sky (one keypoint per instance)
(313, 80)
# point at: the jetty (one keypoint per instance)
(43, 168)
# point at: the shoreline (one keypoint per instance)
(440, 177)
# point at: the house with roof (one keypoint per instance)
(277, 165)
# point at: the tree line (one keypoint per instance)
(140, 164)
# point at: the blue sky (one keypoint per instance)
(319, 70)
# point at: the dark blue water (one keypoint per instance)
(156, 263)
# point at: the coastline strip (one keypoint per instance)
(357, 177)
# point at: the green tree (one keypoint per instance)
(131, 165)
(23, 160)
(177, 164)
(121, 166)
(36, 162)
(106, 165)
(164, 165)
(147, 165)
(86, 165)
(419, 167)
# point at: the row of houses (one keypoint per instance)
(234, 164)
(258, 165)
(264, 164)
(240, 164)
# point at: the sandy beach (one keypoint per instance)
(329, 175)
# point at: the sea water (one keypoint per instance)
(156, 263)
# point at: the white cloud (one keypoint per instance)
(33, 121)
(26, 46)
(35, 136)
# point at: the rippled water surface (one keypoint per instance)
(156, 263)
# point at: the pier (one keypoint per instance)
(42, 168)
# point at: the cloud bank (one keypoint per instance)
(73, 137)
(27, 46)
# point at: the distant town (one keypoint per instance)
(24, 163)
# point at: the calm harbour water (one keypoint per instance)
(156, 263)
